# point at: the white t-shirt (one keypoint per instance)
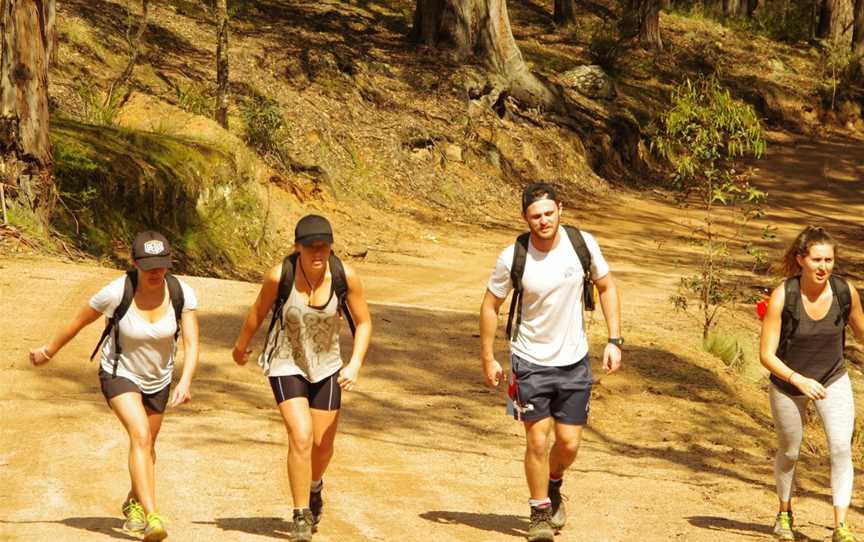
(551, 333)
(147, 350)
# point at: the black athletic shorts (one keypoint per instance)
(323, 395)
(112, 386)
(538, 391)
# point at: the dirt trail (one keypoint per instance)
(678, 448)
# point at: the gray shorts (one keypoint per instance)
(112, 386)
(538, 391)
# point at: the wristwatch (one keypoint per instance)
(617, 341)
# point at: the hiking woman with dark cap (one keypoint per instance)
(146, 308)
(307, 292)
(802, 344)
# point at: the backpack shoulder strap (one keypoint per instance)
(340, 287)
(577, 239)
(578, 242)
(119, 311)
(178, 300)
(844, 296)
(517, 269)
(791, 314)
(286, 282)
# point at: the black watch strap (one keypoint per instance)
(617, 341)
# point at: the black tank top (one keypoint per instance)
(816, 349)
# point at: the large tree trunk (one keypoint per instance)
(858, 36)
(481, 29)
(565, 11)
(222, 63)
(835, 20)
(25, 152)
(643, 22)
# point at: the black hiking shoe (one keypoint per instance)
(559, 512)
(316, 505)
(301, 529)
(540, 529)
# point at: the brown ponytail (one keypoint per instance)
(809, 236)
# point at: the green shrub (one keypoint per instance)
(264, 124)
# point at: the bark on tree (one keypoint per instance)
(222, 63)
(25, 152)
(481, 29)
(135, 46)
(858, 36)
(565, 11)
(835, 20)
(643, 22)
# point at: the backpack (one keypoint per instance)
(791, 315)
(175, 292)
(517, 268)
(286, 282)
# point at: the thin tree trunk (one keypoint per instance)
(644, 22)
(222, 64)
(565, 11)
(135, 44)
(25, 152)
(826, 18)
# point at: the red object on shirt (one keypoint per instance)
(762, 308)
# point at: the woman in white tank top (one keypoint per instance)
(302, 360)
(137, 365)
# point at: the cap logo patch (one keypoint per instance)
(154, 247)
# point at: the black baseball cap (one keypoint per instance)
(151, 250)
(536, 192)
(313, 228)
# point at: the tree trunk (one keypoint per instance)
(481, 29)
(643, 22)
(730, 8)
(222, 63)
(858, 36)
(565, 11)
(25, 152)
(824, 29)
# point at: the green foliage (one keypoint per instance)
(701, 135)
(839, 73)
(264, 124)
(784, 21)
(738, 354)
(194, 98)
(95, 109)
(606, 49)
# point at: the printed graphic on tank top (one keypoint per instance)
(308, 343)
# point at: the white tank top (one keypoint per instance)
(308, 343)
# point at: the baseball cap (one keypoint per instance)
(313, 228)
(151, 250)
(536, 192)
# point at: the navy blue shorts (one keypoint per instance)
(538, 391)
(323, 395)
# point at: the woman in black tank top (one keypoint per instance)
(802, 346)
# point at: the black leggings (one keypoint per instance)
(323, 395)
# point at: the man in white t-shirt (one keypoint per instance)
(551, 373)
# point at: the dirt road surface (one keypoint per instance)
(679, 448)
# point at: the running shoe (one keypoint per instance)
(843, 534)
(559, 512)
(136, 519)
(301, 529)
(783, 526)
(540, 529)
(155, 529)
(316, 504)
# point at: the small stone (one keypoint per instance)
(591, 81)
(452, 152)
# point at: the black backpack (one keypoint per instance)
(175, 292)
(791, 315)
(517, 268)
(286, 282)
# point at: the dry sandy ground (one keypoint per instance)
(678, 448)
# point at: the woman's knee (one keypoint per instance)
(537, 444)
(301, 441)
(140, 437)
(570, 446)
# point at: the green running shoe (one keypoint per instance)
(540, 528)
(301, 529)
(843, 534)
(559, 512)
(783, 526)
(155, 529)
(136, 519)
